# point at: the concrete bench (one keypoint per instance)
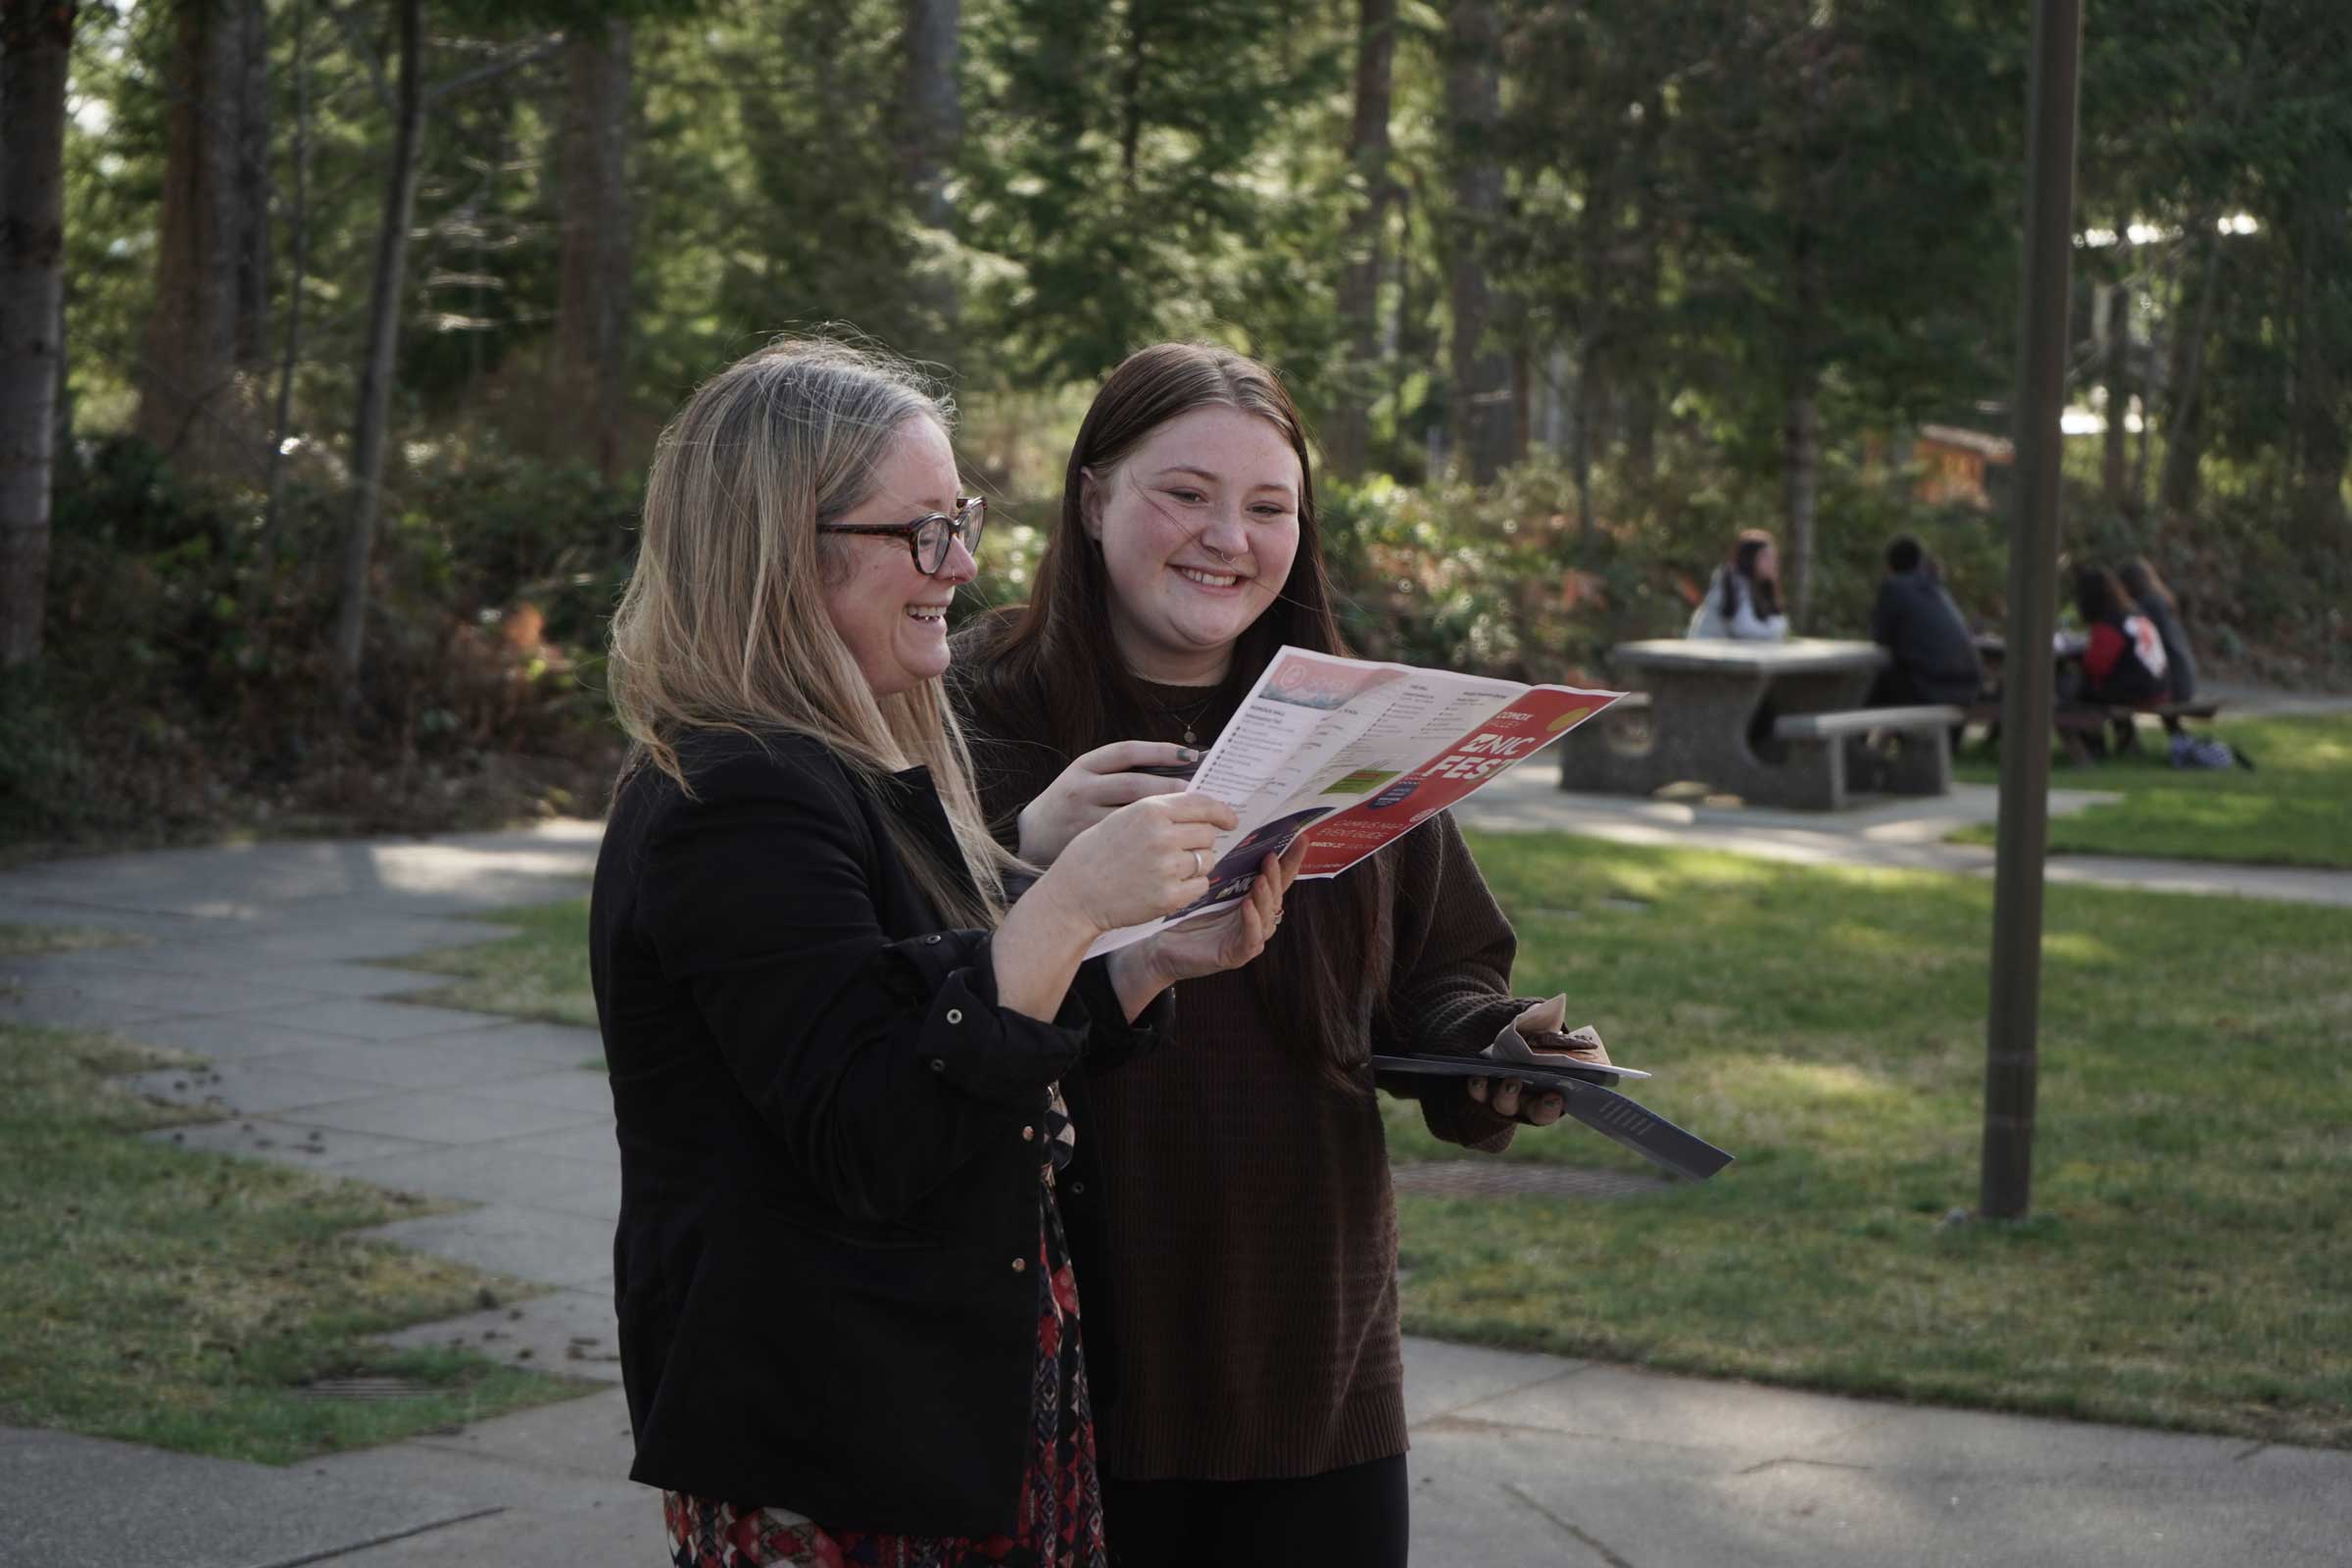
(1828, 752)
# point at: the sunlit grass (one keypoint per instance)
(2294, 809)
(539, 972)
(167, 1297)
(2187, 1263)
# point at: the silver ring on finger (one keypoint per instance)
(1199, 866)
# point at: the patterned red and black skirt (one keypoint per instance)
(1060, 1519)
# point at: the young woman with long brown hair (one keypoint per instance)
(848, 1322)
(1230, 1205)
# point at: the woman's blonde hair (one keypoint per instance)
(723, 625)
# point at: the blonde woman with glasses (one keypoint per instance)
(848, 1331)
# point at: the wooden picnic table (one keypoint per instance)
(1704, 696)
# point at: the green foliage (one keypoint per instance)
(187, 677)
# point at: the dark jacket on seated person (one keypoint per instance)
(1935, 657)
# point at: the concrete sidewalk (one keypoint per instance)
(254, 958)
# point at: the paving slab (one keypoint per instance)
(568, 1088)
(491, 1173)
(443, 1117)
(569, 1331)
(333, 978)
(244, 1087)
(1615, 1402)
(509, 1484)
(226, 1038)
(285, 1142)
(71, 1502)
(366, 1018)
(68, 1007)
(184, 994)
(1662, 1470)
(593, 1141)
(1441, 1378)
(552, 1045)
(537, 1244)
(588, 1435)
(603, 1536)
(424, 1062)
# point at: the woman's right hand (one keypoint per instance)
(1140, 860)
(1093, 787)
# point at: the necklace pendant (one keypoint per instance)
(1190, 739)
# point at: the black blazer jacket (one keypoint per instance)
(830, 1138)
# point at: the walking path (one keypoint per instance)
(254, 958)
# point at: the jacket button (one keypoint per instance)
(1076, 1188)
(1020, 1265)
(1028, 1135)
(939, 1064)
(932, 940)
(955, 1015)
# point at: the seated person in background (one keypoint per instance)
(1914, 618)
(2155, 600)
(1743, 596)
(2123, 661)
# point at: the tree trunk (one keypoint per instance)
(1638, 353)
(383, 347)
(932, 122)
(36, 42)
(298, 237)
(592, 290)
(2114, 456)
(2323, 446)
(2185, 415)
(187, 371)
(1800, 483)
(252, 103)
(1349, 445)
(931, 128)
(1481, 373)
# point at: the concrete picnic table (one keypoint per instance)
(1703, 695)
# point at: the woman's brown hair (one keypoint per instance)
(1047, 672)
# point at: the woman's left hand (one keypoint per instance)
(1226, 939)
(1512, 1098)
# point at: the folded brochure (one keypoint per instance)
(1580, 1086)
(1350, 755)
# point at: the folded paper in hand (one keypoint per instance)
(1579, 1082)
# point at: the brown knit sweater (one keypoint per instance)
(1251, 1254)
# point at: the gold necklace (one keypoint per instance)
(1187, 720)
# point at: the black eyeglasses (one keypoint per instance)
(931, 537)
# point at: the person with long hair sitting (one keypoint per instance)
(848, 1325)
(1743, 596)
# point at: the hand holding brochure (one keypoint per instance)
(1353, 755)
(1605, 1112)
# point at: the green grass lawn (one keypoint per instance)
(181, 1298)
(2188, 1265)
(539, 972)
(2294, 809)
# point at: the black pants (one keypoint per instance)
(1352, 1518)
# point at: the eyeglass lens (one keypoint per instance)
(934, 540)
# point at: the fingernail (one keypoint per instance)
(1184, 754)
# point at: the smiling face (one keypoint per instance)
(1198, 526)
(893, 618)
